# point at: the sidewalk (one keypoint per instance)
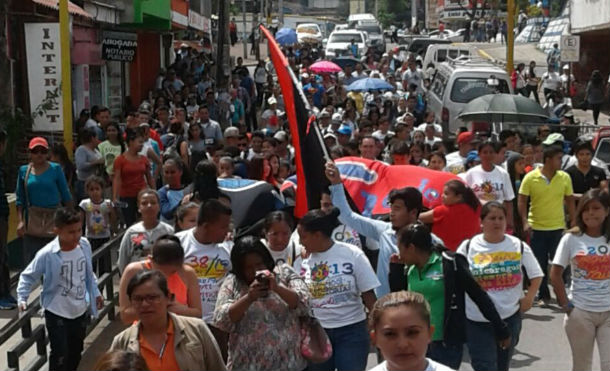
(237, 50)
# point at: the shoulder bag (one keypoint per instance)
(40, 220)
(315, 344)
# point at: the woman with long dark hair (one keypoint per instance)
(457, 218)
(259, 305)
(515, 166)
(438, 274)
(341, 312)
(595, 93)
(112, 147)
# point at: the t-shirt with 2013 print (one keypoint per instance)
(336, 278)
(589, 258)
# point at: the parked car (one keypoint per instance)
(419, 46)
(438, 53)
(448, 35)
(309, 33)
(456, 83)
(361, 17)
(339, 41)
(375, 34)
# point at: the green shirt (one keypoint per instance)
(431, 284)
(109, 153)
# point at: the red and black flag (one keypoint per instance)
(309, 148)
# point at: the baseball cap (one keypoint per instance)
(281, 136)
(345, 130)
(271, 100)
(330, 135)
(472, 156)
(38, 142)
(553, 138)
(324, 114)
(466, 137)
(566, 67)
(231, 132)
(337, 117)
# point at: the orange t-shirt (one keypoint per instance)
(175, 284)
(166, 360)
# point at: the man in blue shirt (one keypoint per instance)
(316, 90)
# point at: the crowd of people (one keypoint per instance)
(199, 294)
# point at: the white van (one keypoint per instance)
(339, 42)
(438, 53)
(456, 83)
(361, 17)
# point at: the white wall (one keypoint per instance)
(588, 15)
(323, 3)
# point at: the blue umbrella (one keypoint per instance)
(369, 84)
(286, 36)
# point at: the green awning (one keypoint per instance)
(152, 14)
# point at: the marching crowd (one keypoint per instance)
(525, 210)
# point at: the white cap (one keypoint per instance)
(337, 117)
(566, 67)
(271, 100)
(305, 75)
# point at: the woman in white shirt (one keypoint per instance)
(340, 278)
(277, 229)
(490, 182)
(497, 261)
(587, 251)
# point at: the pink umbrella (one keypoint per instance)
(325, 67)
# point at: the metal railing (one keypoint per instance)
(38, 336)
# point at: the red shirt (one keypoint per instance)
(157, 138)
(133, 175)
(455, 223)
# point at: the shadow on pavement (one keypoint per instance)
(101, 344)
(522, 359)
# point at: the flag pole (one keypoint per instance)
(308, 107)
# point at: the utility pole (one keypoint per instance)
(245, 33)
(280, 4)
(510, 36)
(222, 53)
(66, 83)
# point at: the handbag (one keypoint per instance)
(40, 220)
(315, 344)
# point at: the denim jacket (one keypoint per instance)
(47, 264)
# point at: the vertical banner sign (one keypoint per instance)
(44, 75)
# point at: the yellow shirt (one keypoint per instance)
(358, 99)
(546, 199)
(166, 361)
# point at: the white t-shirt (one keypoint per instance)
(437, 127)
(455, 163)
(381, 136)
(589, 258)
(97, 218)
(70, 302)
(336, 278)
(497, 269)
(211, 262)
(291, 254)
(432, 366)
(490, 186)
(551, 81)
(342, 233)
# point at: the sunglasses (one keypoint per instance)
(39, 150)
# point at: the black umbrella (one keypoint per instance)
(346, 61)
(500, 108)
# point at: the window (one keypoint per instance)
(466, 89)
(603, 151)
(345, 38)
(437, 86)
(308, 29)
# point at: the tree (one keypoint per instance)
(393, 11)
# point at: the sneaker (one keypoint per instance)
(6, 304)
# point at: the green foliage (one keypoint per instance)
(393, 11)
(534, 11)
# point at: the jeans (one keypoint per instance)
(584, 328)
(66, 337)
(5, 279)
(350, 349)
(103, 264)
(532, 89)
(544, 244)
(80, 193)
(449, 355)
(596, 108)
(483, 347)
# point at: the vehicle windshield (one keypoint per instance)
(345, 38)
(466, 89)
(371, 29)
(308, 29)
(603, 151)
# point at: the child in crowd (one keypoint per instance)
(186, 217)
(139, 238)
(172, 193)
(99, 215)
(69, 291)
(400, 327)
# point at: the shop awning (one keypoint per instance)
(191, 44)
(72, 8)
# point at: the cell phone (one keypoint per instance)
(262, 278)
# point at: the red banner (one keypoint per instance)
(370, 182)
